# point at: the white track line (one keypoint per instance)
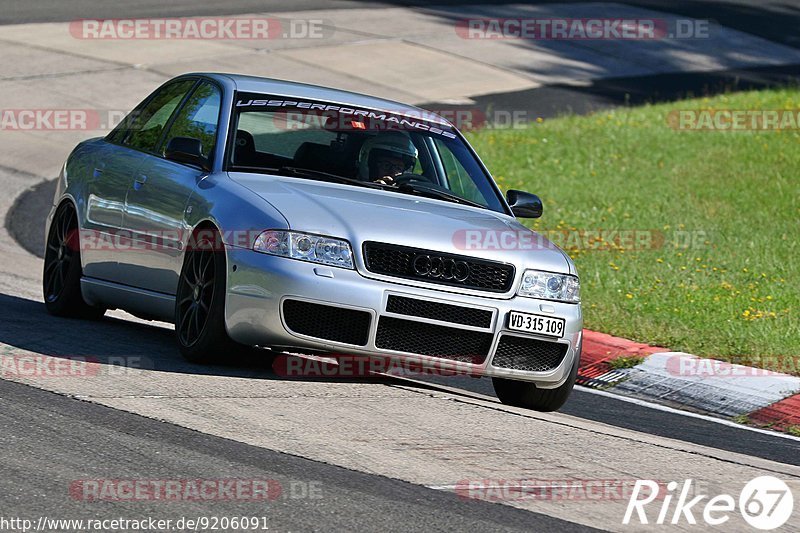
(636, 401)
(708, 418)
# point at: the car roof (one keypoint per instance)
(276, 87)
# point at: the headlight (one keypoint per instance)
(305, 247)
(549, 286)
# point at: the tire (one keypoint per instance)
(525, 394)
(200, 302)
(61, 276)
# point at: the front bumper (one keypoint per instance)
(258, 284)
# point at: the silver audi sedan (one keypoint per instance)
(258, 213)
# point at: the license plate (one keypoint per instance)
(543, 325)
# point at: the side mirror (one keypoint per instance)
(524, 204)
(186, 150)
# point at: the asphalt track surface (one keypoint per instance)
(54, 439)
(51, 437)
(776, 20)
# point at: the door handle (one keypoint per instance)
(98, 171)
(138, 182)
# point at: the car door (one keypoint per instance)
(114, 169)
(157, 198)
(106, 188)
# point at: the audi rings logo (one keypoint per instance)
(427, 266)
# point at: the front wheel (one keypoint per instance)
(527, 395)
(200, 303)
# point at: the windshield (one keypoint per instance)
(396, 152)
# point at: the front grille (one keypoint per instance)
(398, 261)
(431, 339)
(327, 322)
(456, 314)
(531, 355)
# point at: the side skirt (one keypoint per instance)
(140, 302)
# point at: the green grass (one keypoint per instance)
(734, 293)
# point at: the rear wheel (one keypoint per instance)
(200, 303)
(527, 395)
(61, 278)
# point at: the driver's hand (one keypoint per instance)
(386, 180)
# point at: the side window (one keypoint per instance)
(282, 133)
(459, 179)
(198, 118)
(146, 124)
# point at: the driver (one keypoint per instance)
(386, 156)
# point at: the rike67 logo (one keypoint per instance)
(765, 503)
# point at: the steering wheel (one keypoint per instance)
(406, 177)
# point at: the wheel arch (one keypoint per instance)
(208, 224)
(57, 203)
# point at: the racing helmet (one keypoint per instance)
(396, 144)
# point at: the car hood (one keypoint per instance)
(361, 214)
